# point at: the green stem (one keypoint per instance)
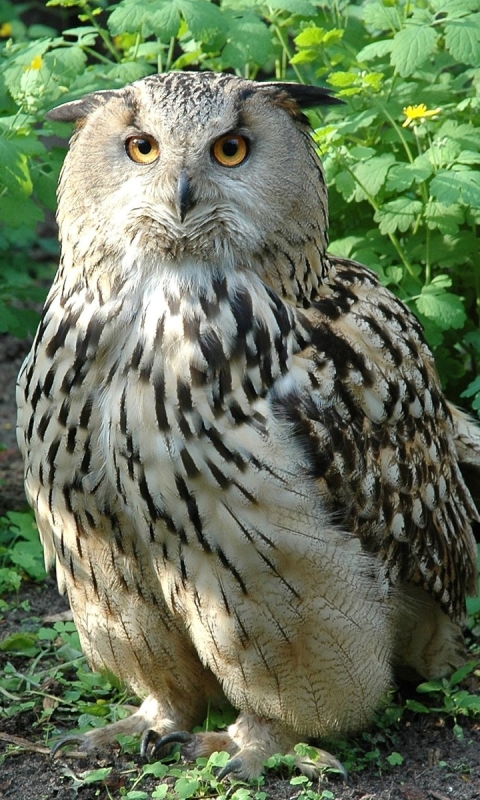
(394, 240)
(103, 34)
(169, 60)
(138, 40)
(286, 50)
(398, 131)
(98, 56)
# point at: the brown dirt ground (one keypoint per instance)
(436, 765)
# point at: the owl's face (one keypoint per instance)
(192, 167)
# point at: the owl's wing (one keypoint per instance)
(381, 438)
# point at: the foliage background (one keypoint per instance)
(401, 157)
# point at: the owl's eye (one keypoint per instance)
(230, 150)
(142, 148)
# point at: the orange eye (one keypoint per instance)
(142, 148)
(230, 150)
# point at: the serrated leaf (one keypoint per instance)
(95, 775)
(462, 39)
(473, 388)
(411, 48)
(446, 218)
(186, 788)
(345, 184)
(310, 37)
(456, 186)
(157, 17)
(440, 282)
(353, 123)
(398, 214)
(446, 309)
(383, 18)
(468, 157)
(18, 642)
(304, 7)
(375, 50)
(401, 176)
(14, 171)
(371, 175)
(14, 211)
(249, 40)
(342, 79)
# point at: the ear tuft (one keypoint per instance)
(79, 109)
(306, 95)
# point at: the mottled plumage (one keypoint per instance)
(237, 447)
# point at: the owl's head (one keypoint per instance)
(199, 168)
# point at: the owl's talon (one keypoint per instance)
(70, 738)
(176, 737)
(150, 737)
(232, 766)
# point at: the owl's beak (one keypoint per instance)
(184, 198)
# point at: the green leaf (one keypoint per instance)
(161, 792)
(446, 218)
(30, 561)
(468, 157)
(371, 175)
(460, 185)
(462, 39)
(162, 18)
(95, 775)
(398, 214)
(472, 389)
(249, 40)
(157, 769)
(395, 759)
(10, 581)
(342, 79)
(401, 176)
(412, 47)
(15, 210)
(445, 308)
(304, 7)
(375, 50)
(14, 169)
(381, 17)
(186, 788)
(310, 37)
(462, 673)
(345, 184)
(19, 643)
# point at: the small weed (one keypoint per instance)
(21, 553)
(451, 700)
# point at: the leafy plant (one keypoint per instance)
(20, 551)
(454, 701)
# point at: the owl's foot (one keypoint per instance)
(250, 742)
(148, 717)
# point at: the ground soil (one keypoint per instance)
(436, 765)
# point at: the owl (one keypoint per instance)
(236, 445)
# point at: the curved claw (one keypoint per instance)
(159, 742)
(70, 738)
(234, 765)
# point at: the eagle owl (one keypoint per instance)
(236, 445)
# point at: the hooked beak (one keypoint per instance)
(184, 196)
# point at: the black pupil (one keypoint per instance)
(230, 148)
(144, 146)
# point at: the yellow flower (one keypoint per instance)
(420, 112)
(35, 63)
(5, 30)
